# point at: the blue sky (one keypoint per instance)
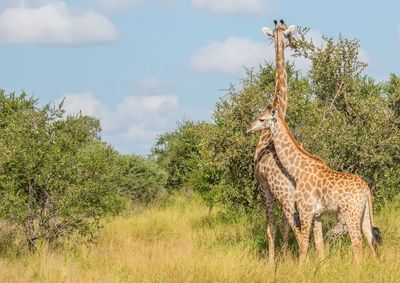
(143, 65)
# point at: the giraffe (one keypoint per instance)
(320, 189)
(273, 181)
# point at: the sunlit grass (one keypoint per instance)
(184, 242)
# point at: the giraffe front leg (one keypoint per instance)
(318, 237)
(306, 218)
(269, 216)
(290, 222)
(285, 232)
(289, 211)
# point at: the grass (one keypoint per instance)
(183, 242)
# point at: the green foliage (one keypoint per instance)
(140, 179)
(178, 152)
(392, 91)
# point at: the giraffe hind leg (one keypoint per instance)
(353, 222)
(370, 232)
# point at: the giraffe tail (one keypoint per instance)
(376, 235)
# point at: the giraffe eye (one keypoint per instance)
(262, 120)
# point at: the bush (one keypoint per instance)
(177, 152)
(140, 179)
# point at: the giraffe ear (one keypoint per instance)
(267, 31)
(290, 30)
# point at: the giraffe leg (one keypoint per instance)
(318, 237)
(338, 231)
(356, 241)
(269, 216)
(285, 232)
(354, 227)
(306, 219)
(290, 222)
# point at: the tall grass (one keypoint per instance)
(184, 242)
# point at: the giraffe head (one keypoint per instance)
(283, 35)
(266, 121)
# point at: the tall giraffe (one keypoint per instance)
(273, 181)
(320, 189)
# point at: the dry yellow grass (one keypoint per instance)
(182, 242)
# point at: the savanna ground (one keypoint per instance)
(182, 241)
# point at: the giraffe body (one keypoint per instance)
(273, 181)
(320, 189)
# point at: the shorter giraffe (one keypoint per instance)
(320, 189)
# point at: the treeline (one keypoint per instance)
(57, 178)
(335, 110)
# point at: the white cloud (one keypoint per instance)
(150, 85)
(230, 55)
(10, 3)
(133, 123)
(232, 6)
(52, 23)
(84, 102)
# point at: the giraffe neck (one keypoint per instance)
(263, 142)
(281, 87)
(293, 157)
(281, 90)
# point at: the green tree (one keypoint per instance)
(177, 152)
(53, 171)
